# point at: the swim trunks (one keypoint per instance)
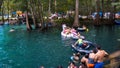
(90, 65)
(99, 65)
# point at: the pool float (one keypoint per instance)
(81, 50)
(85, 49)
(66, 35)
(76, 37)
(82, 29)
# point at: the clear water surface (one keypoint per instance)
(23, 49)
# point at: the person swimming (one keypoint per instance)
(12, 29)
(72, 65)
(76, 57)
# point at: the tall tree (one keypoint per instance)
(29, 27)
(33, 10)
(76, 18)
(35, 7)
(112, 14)
(97, 19)
(49, 9)
(1, 1)
(8, 2)
(55, 5)
(102, 7)
(2, 10)
(40, 12)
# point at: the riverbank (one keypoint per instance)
(69, 22)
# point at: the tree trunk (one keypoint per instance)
(97, 19)
(2, 9)
(112, 14)
(33, 14)
(1, 1)
(29, 27)
(8, 9)
(39, 13)
(76, 18)
(102, 8)
(49, 9)
(36, 11)
(27, 22)
(55, 5)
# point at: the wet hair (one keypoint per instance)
(94, 50)
(98, 47)
(78, 54)
(83, 65)
(87, 56)
(71, 63)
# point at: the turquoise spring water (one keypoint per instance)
(23, 49)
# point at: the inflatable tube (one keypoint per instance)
(75, 58)
(81, 50)
(90, 43)
(81, 29)
(76, 37)
(66, 35)
(117, 22)
(72, 58)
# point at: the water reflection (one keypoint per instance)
(3, 54)
(1, 34)
(67, 41)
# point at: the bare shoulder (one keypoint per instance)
(105, 52)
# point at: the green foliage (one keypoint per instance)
(85, 6)
(67, 21)
(13, 5)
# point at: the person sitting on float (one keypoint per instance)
(67, 31)
(84, 27)
(73, 30)
(78, 34)
(79, 42)
(84, 45)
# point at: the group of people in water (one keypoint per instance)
(71, 32)
(67, 30)
(91, 60)
(81, 43)
(94, 59)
